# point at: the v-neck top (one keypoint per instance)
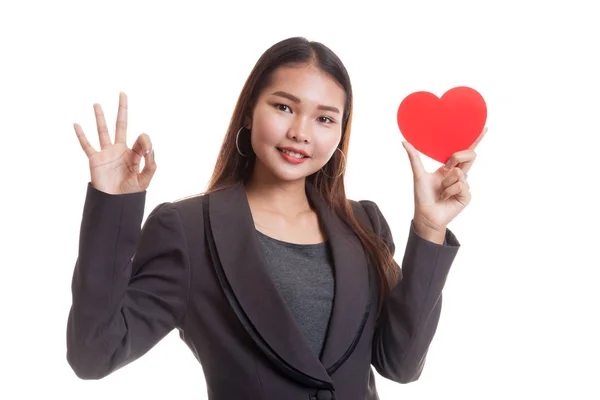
(303, 274)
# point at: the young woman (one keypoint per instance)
(281, 286)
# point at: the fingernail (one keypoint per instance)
(153, 155)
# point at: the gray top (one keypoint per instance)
(304, 276)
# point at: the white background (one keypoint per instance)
(520, 316)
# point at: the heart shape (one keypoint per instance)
(439, 127)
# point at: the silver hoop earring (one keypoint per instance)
(343, 170)
(237, 137)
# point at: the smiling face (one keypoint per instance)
(296, 123)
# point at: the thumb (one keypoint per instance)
(415, 160)
(147, 173)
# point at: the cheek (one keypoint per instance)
(327, 144)
(268, 128)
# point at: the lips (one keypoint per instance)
(293, 157)
(293, 152)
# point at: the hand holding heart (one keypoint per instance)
(440, 196)
(446, 129)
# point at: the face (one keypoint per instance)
(296, 124)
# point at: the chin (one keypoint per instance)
(287, 175)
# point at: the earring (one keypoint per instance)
(237, 144)
(343, 170)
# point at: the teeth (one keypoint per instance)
(291, 153)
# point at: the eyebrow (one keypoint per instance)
(298, 101)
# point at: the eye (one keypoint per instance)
(326, 120)
(281, 107)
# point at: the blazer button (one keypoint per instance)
(324, 395)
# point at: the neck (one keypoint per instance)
(287, 198)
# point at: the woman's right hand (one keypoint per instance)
(115, 169)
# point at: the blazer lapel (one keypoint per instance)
(243, 263)
(244, 266)
(352, 303)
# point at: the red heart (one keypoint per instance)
(439, 127)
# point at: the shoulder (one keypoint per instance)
(189, 211)
(178, 211)
(192, 202)
(370, 209)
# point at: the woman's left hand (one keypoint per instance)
(442, 195)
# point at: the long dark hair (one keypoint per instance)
(232, 168)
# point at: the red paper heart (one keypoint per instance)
(439, 127)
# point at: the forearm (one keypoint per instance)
(129, 285)
(412, 309)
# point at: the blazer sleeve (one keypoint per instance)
(411, 312)
(130, 283)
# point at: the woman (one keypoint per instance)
(281, 287)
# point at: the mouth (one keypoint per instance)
(299, 154)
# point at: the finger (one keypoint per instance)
(481, 135)
(85, 144)
(454, 190)
(455, 175)
(465, 167)
(463, 159)
(466, 157)
(101, 125)
(149, 169)
(141, 147)
(121, 128)
(415, 160)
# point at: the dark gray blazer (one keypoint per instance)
(196, 265)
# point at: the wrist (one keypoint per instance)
(427, 231)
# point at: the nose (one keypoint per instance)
(298, 131)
